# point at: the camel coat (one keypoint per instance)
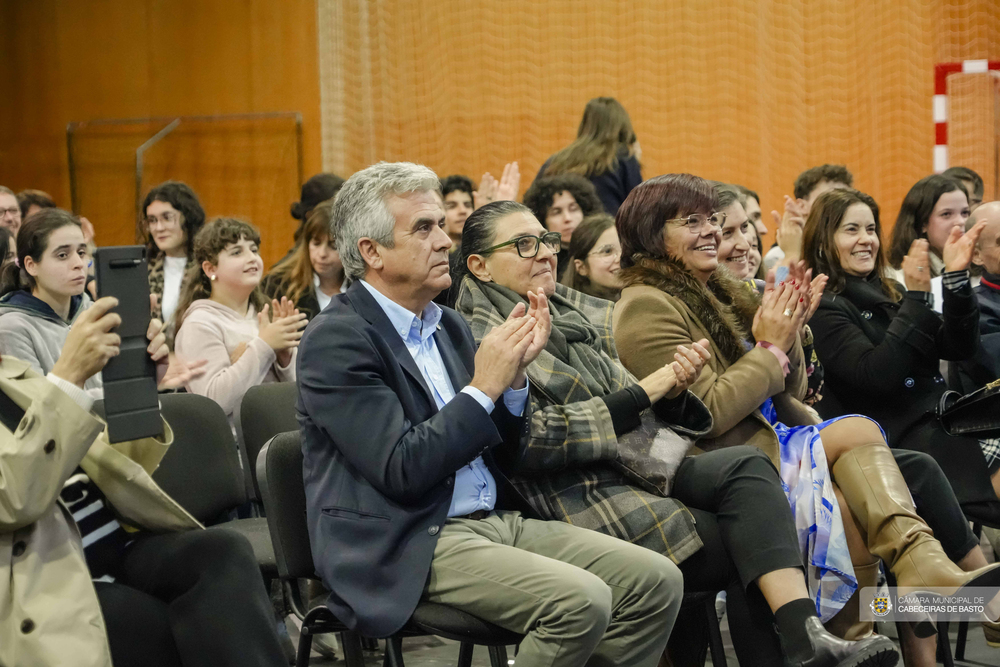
(663, 307)
(49, 612)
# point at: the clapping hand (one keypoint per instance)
(957, 252)
(917, 267)
(492, 190)
(790, 227)
(283, 330)
(538, 308)
(172, 372)
(501, 352)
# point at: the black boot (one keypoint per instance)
(826, 650)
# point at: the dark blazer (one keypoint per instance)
(380, 458)
(985, 366)
(882, 359)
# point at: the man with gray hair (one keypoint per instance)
(407, 430)
(10, 210)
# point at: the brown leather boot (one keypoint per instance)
(847, 624)
(880, 501)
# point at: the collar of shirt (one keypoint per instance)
(407, 325)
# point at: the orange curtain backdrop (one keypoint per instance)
(745, 92)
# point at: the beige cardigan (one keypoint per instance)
(649, 324)
(49, 612)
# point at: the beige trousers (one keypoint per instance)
(580, 597)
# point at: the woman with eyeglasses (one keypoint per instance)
(594, 255)
(849, 500)
(725, 520)
(173, 216)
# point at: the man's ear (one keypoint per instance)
(371, 252)
(477, 267)
(581, 267)
(977, 256)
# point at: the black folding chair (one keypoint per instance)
(201, 470)
(266, 410)
(279, 473)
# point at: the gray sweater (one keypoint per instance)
(31, 331)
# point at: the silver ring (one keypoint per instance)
(788, 312)
(920, 268)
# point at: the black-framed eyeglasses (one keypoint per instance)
(696, 221)
(528, 245)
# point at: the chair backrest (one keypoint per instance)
(201, 470)
(279, 472)
(266, 410)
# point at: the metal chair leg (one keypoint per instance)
(715, 635)
(465, 654)
(498, 656)
(963, 635)
(944, 645)
(305, 647)
(354, 655)
(394, 651)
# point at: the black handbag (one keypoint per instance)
(976, 414)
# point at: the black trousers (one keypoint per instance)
(936, 502)
(194, 599)
(744, 521)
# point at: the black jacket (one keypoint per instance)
(380, 458)
(307, 303)
(985, 366)
(882, 359)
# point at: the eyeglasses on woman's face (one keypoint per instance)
(168, 218)
(527, 246)
(697, 221)
(606, 252)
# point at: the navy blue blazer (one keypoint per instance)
(380, 458)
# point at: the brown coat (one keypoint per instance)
(49, 612)
(663, 306)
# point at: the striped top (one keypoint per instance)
(104, 539)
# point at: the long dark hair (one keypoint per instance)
(605, 133)
(6, 245)
(915, 213)
(819, 247)
(210, 242)
(32, 241)
(183, 198)
(584, 239)
(293, 276)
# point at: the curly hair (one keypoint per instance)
(208, 245)
(183, 198)
(810, 178)
(543, 191)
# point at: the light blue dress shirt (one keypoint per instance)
(475, 488)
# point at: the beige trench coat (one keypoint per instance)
(49, 612)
